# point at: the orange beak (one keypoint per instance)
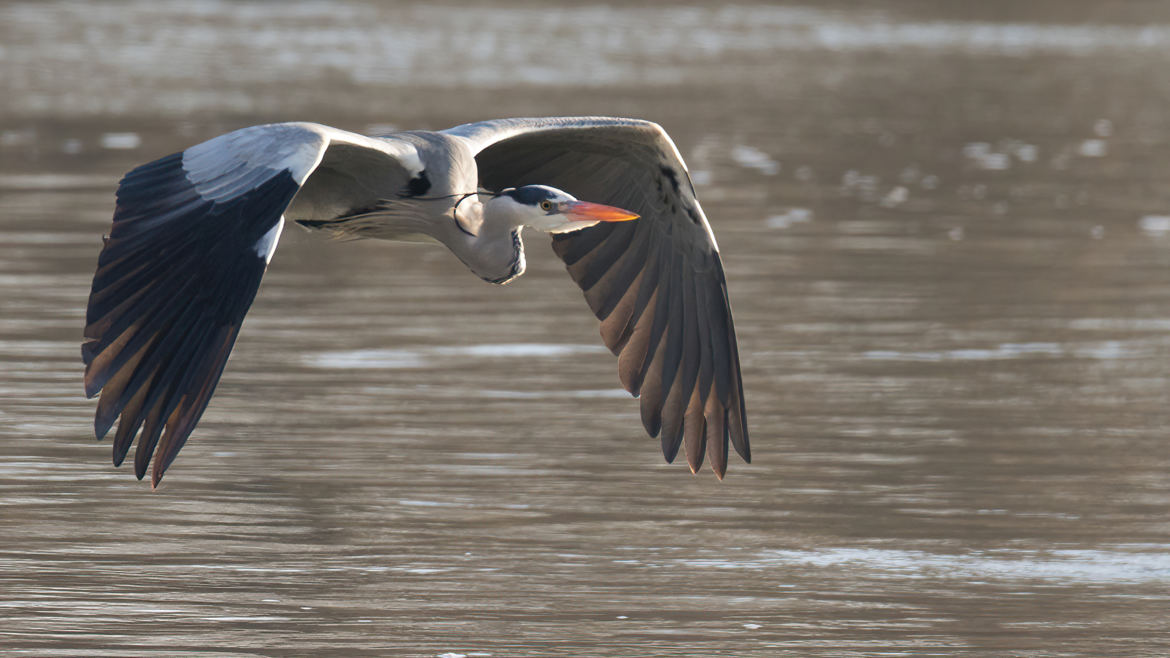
(584, 211)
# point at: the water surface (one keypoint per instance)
(948, 251)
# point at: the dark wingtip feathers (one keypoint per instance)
(670, 445)
(172, 287)
(670, 325)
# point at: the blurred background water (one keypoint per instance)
(946, 230)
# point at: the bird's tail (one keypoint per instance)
(342, 228)
(315, 223)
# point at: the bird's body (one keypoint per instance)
(193, 233)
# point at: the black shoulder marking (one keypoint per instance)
(694, 215)
(419, 185)
(670, 176)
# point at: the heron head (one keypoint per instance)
(551, 210)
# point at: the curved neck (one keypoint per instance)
(495, 257)
(487, 241)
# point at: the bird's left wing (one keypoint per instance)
(192, 235)
(656, 284)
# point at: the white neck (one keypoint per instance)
(488, 239)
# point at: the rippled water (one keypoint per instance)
(948, 249)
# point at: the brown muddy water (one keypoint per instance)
(947, 240)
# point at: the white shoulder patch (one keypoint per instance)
(266, 245)
(233, 164)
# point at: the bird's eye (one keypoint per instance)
(546, 205)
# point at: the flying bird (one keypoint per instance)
(193, 233)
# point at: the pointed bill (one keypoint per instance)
(584, 211)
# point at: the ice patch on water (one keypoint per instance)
(895, 197)
(1027, 152)
(121, 141)
(615, 393)
(1093, 148)
(518, 350)
(976, 149)
(1105, 350)
(243, 618)
(792, 216)
(999, 156)
(427, 503)
(750, 157)
(1156, 225)
(1122, 324)
(1001, 38)
(53, 181)
(390, 359)
(374, 359)
(9, 137)
(1133, 564)
(855, 183)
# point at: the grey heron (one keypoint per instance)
(193, 233)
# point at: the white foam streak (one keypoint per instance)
(1124, 564)
(423, 356)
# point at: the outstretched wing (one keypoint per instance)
(192, 235)
(656, 284)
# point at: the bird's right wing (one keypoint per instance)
(192, 235)
(656, 283)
